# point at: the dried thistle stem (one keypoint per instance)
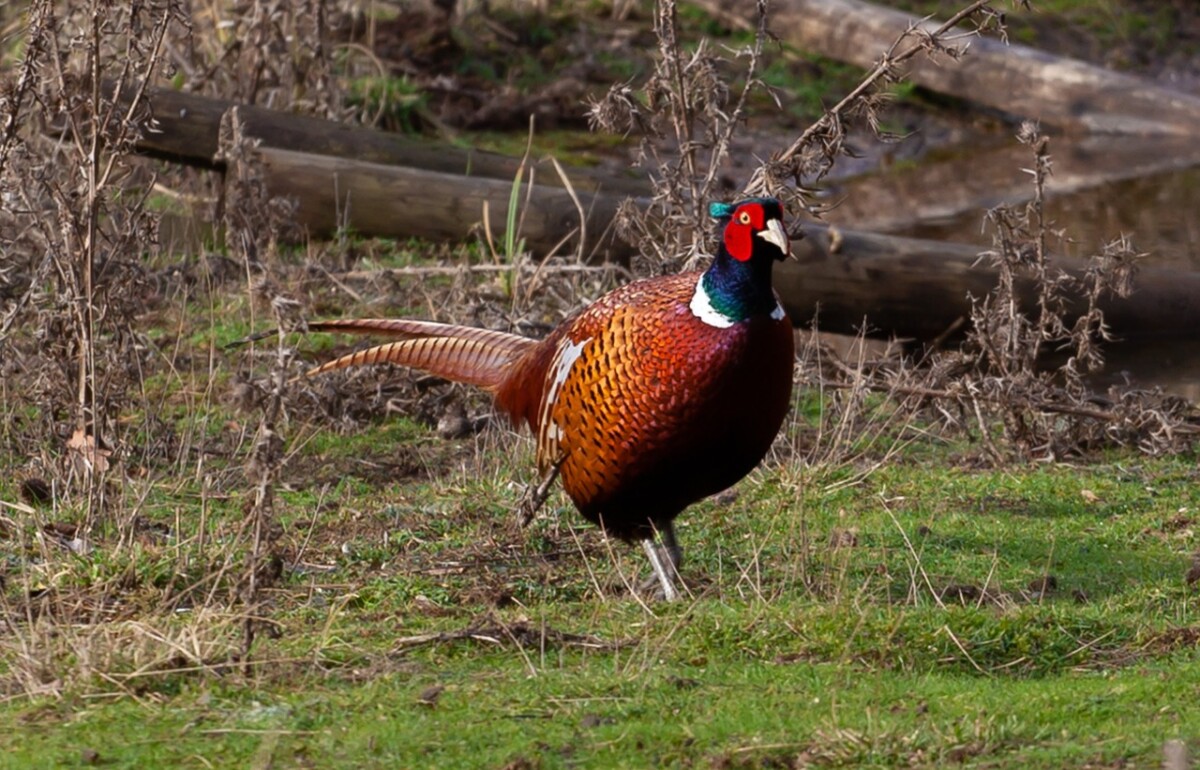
(830, 123)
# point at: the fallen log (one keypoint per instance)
(935, 190)
(187, 126)
(393, 201)
(913, 288)
(1015, 79)
(848, 280)
(892, 286)
(981, 177)
(186, 129)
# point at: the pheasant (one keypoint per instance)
(660, 393)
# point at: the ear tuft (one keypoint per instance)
(719, 210)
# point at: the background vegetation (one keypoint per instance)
(205, 563)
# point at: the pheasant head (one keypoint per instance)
(737, 285)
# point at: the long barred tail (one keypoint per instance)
(460, 353)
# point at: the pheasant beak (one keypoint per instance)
(776, 235)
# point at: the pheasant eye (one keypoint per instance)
(744, 218)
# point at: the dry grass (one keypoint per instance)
(111, 407)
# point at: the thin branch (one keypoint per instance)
(831, 121)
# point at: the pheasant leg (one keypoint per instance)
(662, 569)
(671, 546)
(535, 497)
(665, 561)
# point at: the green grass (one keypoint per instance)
(881, 607)
(916, 639)
(393, 103)
(658, 707)
(804, 82)
(576, 713)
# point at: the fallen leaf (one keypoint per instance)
(86, 454)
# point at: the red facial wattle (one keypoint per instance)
(739, 234)
(738, 242)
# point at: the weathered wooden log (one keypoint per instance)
(981, 177)
(376, 199)
(187, 126)
(1016, 79)
(892, 286)
(914, 288)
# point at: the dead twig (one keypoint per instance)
(827, 134)
(489, 630)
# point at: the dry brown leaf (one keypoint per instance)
(87, 456)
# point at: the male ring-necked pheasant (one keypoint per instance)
(658, 394)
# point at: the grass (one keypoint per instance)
(894, 603)
(393, 103)
(899, 620)
(757, 714)
(805, 83)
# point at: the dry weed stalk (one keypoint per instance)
(276, 53)
(262, 470)
(812, 155)
(1049, 414)
(685, 116)
(254, 223)
(74, 229)
(1000, 377)
(79, 244)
